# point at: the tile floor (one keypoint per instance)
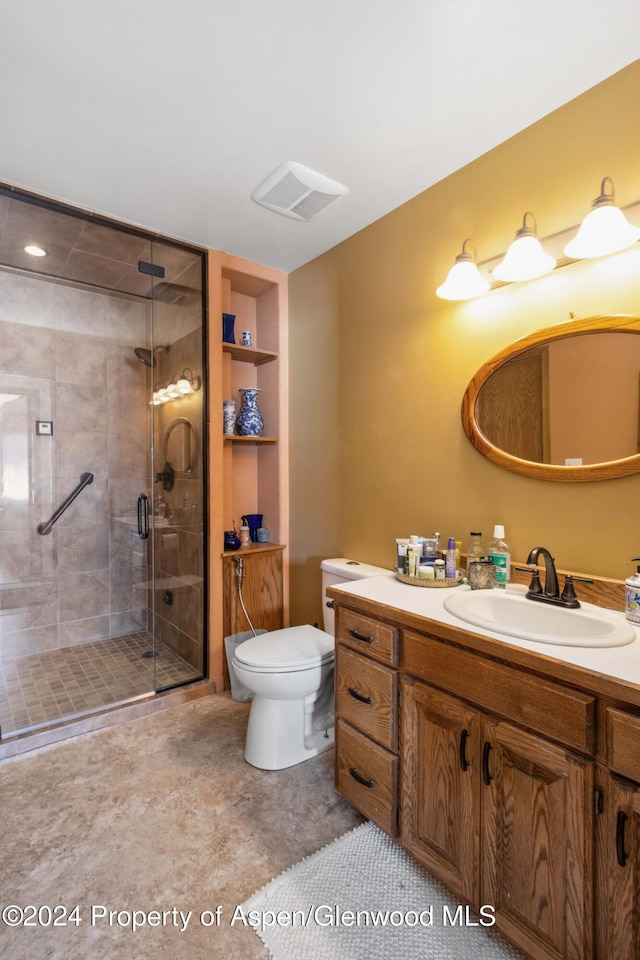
(159, 813)
(45, 687)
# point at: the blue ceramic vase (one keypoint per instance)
(249, 422)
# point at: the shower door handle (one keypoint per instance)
(143, 516)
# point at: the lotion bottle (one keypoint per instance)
(450, 559)
(500, 555)
(632, 596)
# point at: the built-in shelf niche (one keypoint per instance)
(248, 474)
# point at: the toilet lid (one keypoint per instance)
(291, 647)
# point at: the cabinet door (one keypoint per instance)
(440, 815)
(537, 843)
(617, 868)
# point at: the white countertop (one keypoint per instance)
(621, 663)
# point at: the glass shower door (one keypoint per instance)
(176, 474)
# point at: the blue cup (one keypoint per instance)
(253, 521)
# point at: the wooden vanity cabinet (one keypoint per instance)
(366, 765)
(513, 778)
(497, 814)
(617, 825)
(617, 875)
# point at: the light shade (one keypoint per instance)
(604, 230)
(525, 259)
(463, 281)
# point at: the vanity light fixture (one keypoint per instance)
(463, 280)
(604, 230)
(179, 387)
(34, 250)
(525, 259)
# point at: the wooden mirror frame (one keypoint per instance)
(529, 468)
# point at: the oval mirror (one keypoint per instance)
(181, 445)
(562, 403)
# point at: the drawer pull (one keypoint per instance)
(464, 763)
(358, 696)
(360, 636)
(356, 776)
(486, 750)
(620, 852)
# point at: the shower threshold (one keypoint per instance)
(73, 682)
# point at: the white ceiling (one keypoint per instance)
(167, 113)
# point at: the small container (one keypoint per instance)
(231, 540)
(228, 322)
(632, 596)
(438, 569)
(482, 575)
(246, 338)
(431, 549)
(262, 535)
(500, 555)
(450, 559)
(245, 536)
(426, 571)
(402, 545)
(228, 417)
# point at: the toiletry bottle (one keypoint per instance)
(632, 596)
(450, 559)
(475, 549)
(402, 546)
(500, 556)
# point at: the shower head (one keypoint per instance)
(145, 356)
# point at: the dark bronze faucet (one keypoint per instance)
(551, 592)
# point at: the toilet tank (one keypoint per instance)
(342, 570)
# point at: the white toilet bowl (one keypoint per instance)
(290, 673)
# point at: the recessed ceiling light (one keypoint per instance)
(35, 251)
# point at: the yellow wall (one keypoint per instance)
(379, 363)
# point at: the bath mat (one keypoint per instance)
(363, 898)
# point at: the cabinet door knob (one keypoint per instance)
(356, 776)
(358, 696)
(620, 852)
(464, 763)
(486, 750)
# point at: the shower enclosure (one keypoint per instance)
(102, 464)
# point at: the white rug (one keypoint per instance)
(363, 898)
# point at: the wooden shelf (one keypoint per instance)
(249, 354)
(239, 439)
(253, 548)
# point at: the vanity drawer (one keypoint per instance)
(544, 706)
(369, 636)
(367, 696)
(367, 776)
(623, 743)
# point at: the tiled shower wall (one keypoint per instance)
(66, 356)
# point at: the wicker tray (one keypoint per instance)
(423, 582)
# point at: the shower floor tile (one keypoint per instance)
(44, 687)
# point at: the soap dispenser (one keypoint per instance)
(632, 595)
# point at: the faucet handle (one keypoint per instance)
(568, 594)
(535, 587)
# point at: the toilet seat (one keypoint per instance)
(287, 650)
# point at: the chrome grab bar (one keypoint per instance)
(45, 528)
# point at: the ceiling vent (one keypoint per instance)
(296, 191)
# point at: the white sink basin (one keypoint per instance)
(516, 616)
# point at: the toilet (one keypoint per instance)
(290, 673)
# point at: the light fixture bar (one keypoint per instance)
(554, 244)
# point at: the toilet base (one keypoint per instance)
(277, 735)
